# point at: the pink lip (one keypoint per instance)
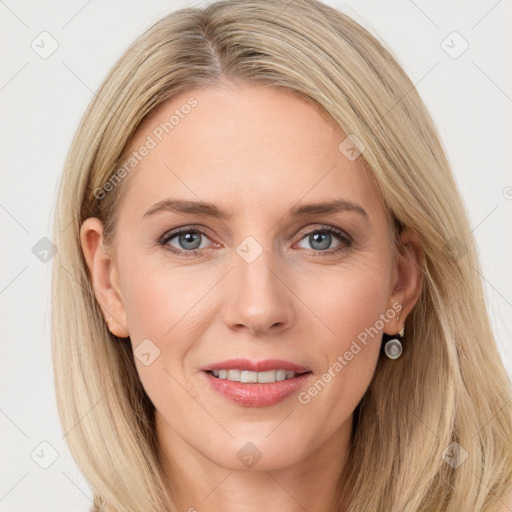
(257, 395)
(256, 366)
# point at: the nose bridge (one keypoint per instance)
(258, 299)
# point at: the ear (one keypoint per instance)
(408, 279)
(103, 276)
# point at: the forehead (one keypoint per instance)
(242, 144)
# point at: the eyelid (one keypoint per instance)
(183, 229)
(324, 227)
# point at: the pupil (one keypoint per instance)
(323, 238)
(187, 240)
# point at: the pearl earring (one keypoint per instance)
(393, 348)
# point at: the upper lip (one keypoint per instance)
(256, 366)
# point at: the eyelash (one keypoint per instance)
(341, 235)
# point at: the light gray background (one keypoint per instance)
(42, 101)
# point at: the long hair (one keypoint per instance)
(447, 398)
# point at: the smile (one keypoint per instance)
(247, 377)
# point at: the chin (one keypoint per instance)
(257, 452)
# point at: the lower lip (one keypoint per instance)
(257, 395)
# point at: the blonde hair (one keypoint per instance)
(449, 386)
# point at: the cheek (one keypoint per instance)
(356, 305)
(159, 298)
(167, 310)
(161, 305)
(350, 304)
(150, 306)
(348, 300)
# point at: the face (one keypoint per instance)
(269, 279)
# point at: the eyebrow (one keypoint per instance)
(212, 210)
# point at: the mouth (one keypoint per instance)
(252, 377)
(256, 383)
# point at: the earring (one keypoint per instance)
(393, 348)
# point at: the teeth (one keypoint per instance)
(246, 376)
(234, 375)
(280, 374)
(264, 377)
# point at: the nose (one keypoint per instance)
(258, 299)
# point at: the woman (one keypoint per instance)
(266, 293)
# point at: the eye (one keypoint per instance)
(321, 240)
(190, 241)
(185, 241)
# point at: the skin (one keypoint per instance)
(255, 152)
